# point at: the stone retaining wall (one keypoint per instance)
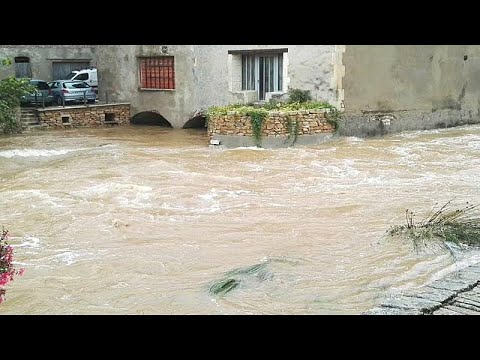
(381, 123)
(85, 116)
(311, 122)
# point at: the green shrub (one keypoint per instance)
(299, 96)
(11, 91)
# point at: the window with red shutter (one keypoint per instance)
(157, 73)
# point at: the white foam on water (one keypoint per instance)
(255, 167)
(168, 206)
(45, 198)
(70, 257)
(342, 169)
(30, 242)
(121, 285)
(354, 139)
(214, 193)
(472, 257)
(247, 148)
(107, 188)
(206, 210)
(36, 152)
(208, 196)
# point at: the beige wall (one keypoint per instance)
(411, 77)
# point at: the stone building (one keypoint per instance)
(177, 81)
(381, 88)
(46, 62)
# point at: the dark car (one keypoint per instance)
(65, 91)
(43, 94)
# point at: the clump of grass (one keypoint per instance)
(234, 278)
(460, 227)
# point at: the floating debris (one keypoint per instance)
(235, 277)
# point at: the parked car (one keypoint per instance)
(65, 91)
(43, 94)
(87, 75)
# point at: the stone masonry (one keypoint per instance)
(310, 122)
(85, 116)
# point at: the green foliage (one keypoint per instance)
(11, 91)
(293, 129)
(460, 227)
(333, 117)
(224, 286)
(300, 96)
(257, 117)
(243, 109)
(234, 278)
(6, 62)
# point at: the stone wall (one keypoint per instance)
(310, 122)
(382, 123)
(85, 116)
(278, 129)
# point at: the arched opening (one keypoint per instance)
(197, 122)
(150, 118)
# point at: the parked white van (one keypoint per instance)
(87, 75)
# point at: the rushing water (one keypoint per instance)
(141, 220)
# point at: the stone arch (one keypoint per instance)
(196, 122)
(151, 118)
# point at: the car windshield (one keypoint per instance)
(76, 85)
(69, 76)
(41, 85)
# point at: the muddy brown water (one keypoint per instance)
(141, 220)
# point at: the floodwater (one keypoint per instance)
(142, 220)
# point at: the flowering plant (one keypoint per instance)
(7, 270)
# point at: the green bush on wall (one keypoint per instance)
(300, 96)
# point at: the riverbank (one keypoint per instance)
(456, 294)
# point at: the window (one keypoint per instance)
(22, 67)
(263, 73)
(82, 77)
(41, 85)
(157, 73)
(73, 85)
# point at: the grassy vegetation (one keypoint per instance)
(245, 109)
(445, 225)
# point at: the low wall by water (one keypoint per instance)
(85, 116)
(381, 123)
(279, 129)
(456, 294)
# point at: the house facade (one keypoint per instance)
(177, 81)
